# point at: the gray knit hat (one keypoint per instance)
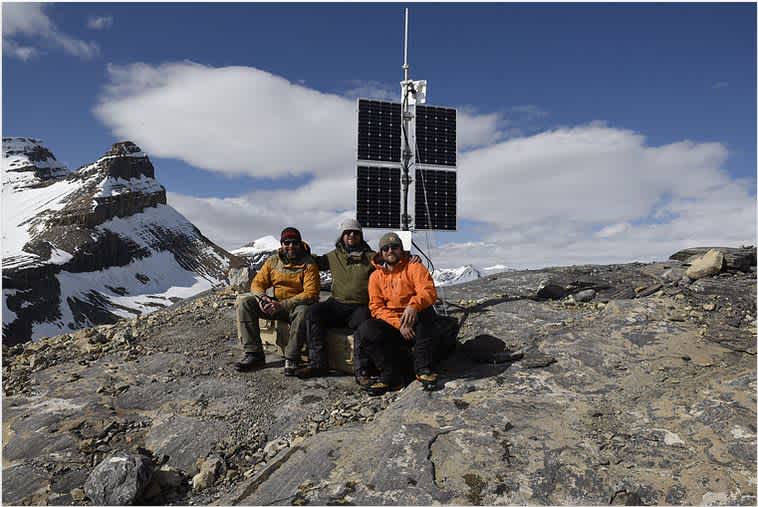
(390, 239)
(349, 224)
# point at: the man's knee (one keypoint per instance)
(315, 312)
(298, 313)
(371, 330)
(358, 317)
(247, 307)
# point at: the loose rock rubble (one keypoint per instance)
(636, 385)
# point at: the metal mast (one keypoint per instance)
(408, 130)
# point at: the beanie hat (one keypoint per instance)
(350, 224)
(291, 233)
(390, 239)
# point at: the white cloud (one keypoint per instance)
(242, 120)
(475, 129)
(100, 22)
(581, 194)
(28, 20)
(14, 50)
(237, 120)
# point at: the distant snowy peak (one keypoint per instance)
(264, 244)
(256, 252)
(28, 163)
(467, 273)
(444, 277)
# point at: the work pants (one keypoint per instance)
(396, 358)
(332, 313)
(249, 331)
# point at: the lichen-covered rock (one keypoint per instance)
(119, 479)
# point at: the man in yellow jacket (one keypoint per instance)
(293, 275)
(400, 336)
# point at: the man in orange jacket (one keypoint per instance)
(401, 296)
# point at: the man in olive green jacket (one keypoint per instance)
(350, 264)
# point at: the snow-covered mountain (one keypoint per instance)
(453, 276)
(91, 246)
(256, 252)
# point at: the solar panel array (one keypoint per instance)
(435, 199)
(436, 135)
(378, 197)
(379, 166)
(379, 130)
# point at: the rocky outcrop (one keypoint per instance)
(644, 394)
(739, 259)
(88, 247)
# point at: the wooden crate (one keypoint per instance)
(339, 342)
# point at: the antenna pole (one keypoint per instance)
(405, 48)
(407, 126)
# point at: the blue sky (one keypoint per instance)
(594, 132)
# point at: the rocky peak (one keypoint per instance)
(28, 163)
(94, 245)
(119, 184)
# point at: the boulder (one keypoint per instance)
(706, 265)
(551, 290)
(210, 469)
(584, 295)
(740, 259)
(119, 479)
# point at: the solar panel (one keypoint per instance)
(436, 135)
(378, 197)
(435, 199)
(379, 130)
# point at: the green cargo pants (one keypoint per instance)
(249, 331)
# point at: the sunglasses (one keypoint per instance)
(352, 233)
(391, 247)
(290, 242)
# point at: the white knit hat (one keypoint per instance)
(350, 224)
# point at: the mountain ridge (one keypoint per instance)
(94, 245)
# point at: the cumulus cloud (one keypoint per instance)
(30, 22)
(237, 120)
(581, 194)
(242, 120)
(100, 22)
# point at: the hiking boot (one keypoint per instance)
(364, 379)
(290, 365)
(311, 371)
(380, 387)
(427, 378)
(251, 361)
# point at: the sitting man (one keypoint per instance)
(293, 275)
(401, 295)
(350, 264)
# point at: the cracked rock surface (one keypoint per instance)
(643, 394)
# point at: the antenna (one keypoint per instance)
(405, 51)
(406, 88)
